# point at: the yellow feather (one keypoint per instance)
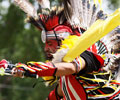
(69, 42)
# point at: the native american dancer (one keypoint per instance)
(83, 72)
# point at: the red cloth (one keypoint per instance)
(53, 95)
(50, 71)
(72, 89)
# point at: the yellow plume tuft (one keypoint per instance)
(69, 42)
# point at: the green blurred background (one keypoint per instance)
(21, 42)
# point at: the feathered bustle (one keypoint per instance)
(112, 43)
(82, 13)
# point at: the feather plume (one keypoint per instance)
(81, 13)
(44, 3)
(27, 7)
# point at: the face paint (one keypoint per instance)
(50, 47)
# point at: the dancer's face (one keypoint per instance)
(51, 47)
(54, 37)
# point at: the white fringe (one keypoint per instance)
(58, 56)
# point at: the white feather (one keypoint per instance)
(84, 13)
(44, 3)
(27, 7)
(58, 56)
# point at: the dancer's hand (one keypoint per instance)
(17, 72)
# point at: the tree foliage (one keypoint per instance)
(19, 44)
(114, 4)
